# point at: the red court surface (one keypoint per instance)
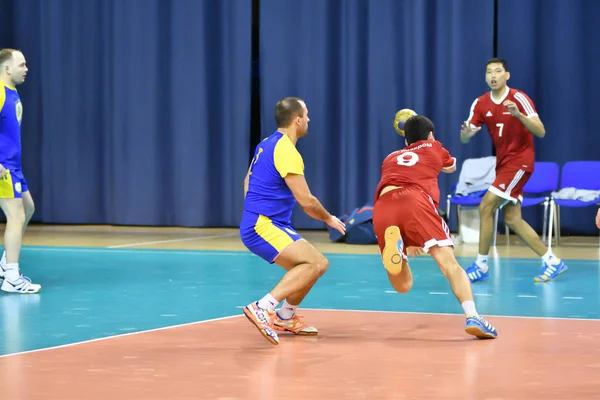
(358, 355)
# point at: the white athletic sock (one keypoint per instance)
(550, 258)
(12, 272)
(482, 262)
(3, 260)
(469, 308)
(268, 302)
(287, 311)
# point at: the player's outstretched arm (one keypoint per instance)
(598, 219)
(310, 204)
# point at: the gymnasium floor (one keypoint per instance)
(141, 313)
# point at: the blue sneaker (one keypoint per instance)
(550, 271)
(480, 328)
(476, 274)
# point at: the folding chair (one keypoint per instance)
(584, 175)
(471, 200)
(543, 181)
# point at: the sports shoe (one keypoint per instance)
(479, 327)
(263, 320)
(476, 274)
(393, 252)
(22, 285)
(295, 325)
(550, 271)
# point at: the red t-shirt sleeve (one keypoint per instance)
(447, 159)
(475, 115)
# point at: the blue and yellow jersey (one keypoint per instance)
(268, 194)
(11, 114)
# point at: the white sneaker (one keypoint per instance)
(2, 271)
(21, 285)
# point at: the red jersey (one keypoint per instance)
(417, 165)
(513, 141)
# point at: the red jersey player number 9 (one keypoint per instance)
(408, 159)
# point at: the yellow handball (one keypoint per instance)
(401, 117)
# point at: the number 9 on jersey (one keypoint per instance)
(408, 159)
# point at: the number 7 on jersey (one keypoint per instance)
(501, 126)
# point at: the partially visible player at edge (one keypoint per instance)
(274, 183)
(15, 200)
(511, 120)
(406, 220)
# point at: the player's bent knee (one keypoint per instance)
(17, 218)
(14, 212)
(487, 207)
(401, 285)
(321, 265)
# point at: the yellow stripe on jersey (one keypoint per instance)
(2, 96)
(271, 234)
(287, 159)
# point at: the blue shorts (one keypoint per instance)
(264, 237)
(13, 185)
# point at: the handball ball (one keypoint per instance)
(401, 117)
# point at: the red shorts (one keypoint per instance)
(509, 184)
(414, 212)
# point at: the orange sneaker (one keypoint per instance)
(295, 325)
(263, 320)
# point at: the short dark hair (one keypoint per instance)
(6, 54)
(417, 128)
(497, 60)
(287, 109)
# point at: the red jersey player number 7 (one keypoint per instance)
(512, 122)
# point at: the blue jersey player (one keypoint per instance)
(15, 199)
(274, 183)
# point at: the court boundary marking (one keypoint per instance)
(301, 309)
(186, 239)
(246, 253)
(163, 328)
(452, 314)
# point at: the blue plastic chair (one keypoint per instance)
(584, 175)
(543, 181)
(541, 184)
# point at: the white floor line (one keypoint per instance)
(121, 335)
(138, 250)
(120, 246)
(457, 314)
